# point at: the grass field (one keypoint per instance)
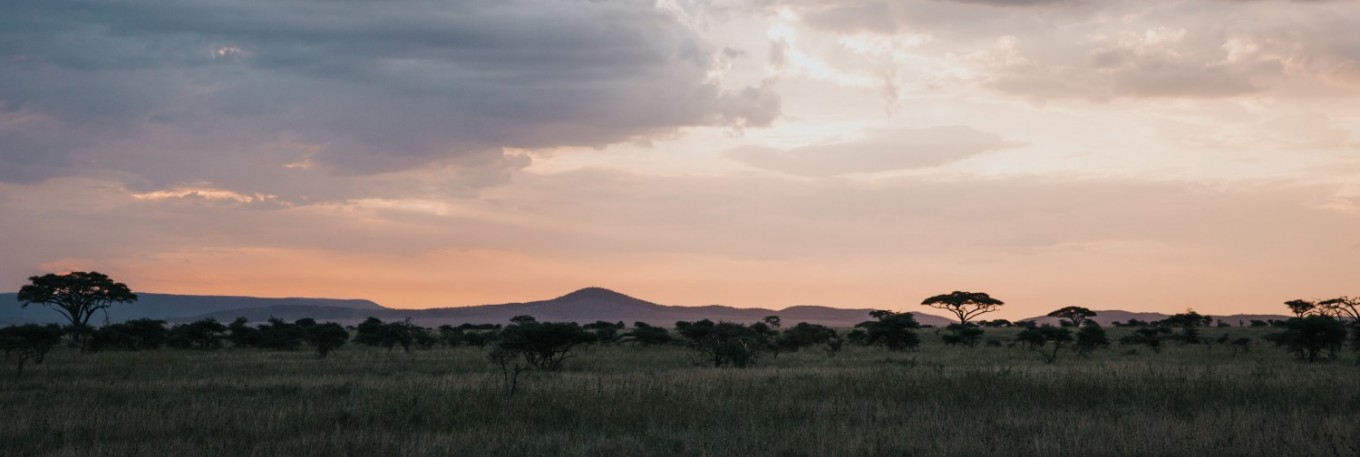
(631, 401)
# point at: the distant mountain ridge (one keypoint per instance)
(1106, 317)
(171, 307)
(585, 305)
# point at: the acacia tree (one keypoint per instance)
(1089, 338)
(646, 334)
(806, 335)
(204, 334)
(76, 295)
(1075, 314)
(967, 335)
(965, 305)
(1300, 308)
(1343, 308)
(895, 331)
(725, 343)
(1037, 339)
(325, 337)
(1307, 337)
(543, 345)
(31, 341)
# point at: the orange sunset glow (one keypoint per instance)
(1138, 155)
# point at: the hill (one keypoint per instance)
(1105, 317)
(586, 305)
(172, 307)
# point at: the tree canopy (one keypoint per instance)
(965, 305)
(1307, 337)
(544, 345)
(895, 331)
(1300, 308)
(76, 295)
(1341, 308)
(1074, 314)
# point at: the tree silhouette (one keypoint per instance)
(281, 335)
(1074, 314)
(374, 332)
(605, 332)
(1089, 338)
(1307, 337)
(806, 335)
(199, 334)
(30, 341)
(1344, 308)
(965, 334)
(136, 334)
(1189, 322)
(1300, 308)
(241, 334)
(895, 331)
(543, 345)
(77, 296)
(1147, 336)
(1037, 339)
(965, 305)
(325, 337)
(724, 343)
(646, 334)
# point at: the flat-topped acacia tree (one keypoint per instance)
(965, 305)
(1074, 314)
(1301, 308)
(76, 295)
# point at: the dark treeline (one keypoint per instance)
(1318, 332)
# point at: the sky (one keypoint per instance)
(1148, 155)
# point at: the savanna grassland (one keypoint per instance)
(1198, 400)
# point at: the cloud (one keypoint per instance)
(1105, 51)
(876, 17)
(1125, 240)
(1016, 3)
(376, 87)
(878, 150)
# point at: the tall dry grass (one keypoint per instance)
(627, 401)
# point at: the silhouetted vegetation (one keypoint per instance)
(543, 345)
(325, 337)
(1090, 337)
(725, 343)
(77, 296)
(507, 378)
(964, 334)
(1046, 340)
(375, 332)
(894, 331)
(605, 332)
(1072, 316)
(1307, 337)
(804, 335)
(1151, 337)
(133, 335)
(648, 335)
(203, 334)
(1189, 322)
(28, 342)
(964, 305)
(1300, 308)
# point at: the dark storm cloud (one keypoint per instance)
(379, 86)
